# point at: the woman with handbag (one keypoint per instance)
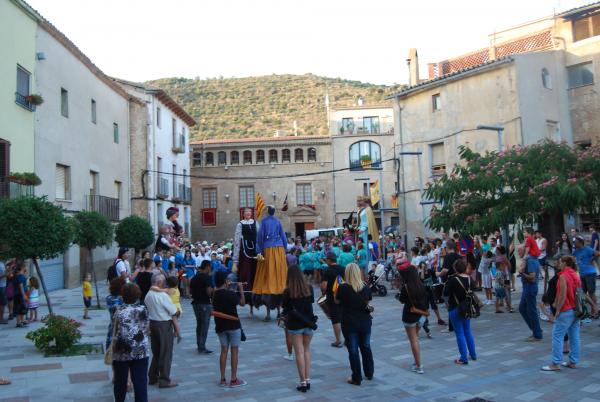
(415, 313)
(456, 292)
(129, 345)
(353, 297)
(298, 298)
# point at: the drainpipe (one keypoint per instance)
(402, 209)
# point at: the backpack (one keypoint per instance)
(581, 310)
(111, 272)
(471, 306)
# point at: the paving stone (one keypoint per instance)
(36, 367)
(88, 377)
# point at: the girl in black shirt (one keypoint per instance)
(413, 294)
(298, 298)
(456, 292)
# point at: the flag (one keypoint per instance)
(259, 205)
(375, 192)
(394, 201)
(285, 204)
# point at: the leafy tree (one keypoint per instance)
(92, 230)
(134, 232)
(33, 228)
(486, 192)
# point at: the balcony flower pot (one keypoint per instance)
(35, 99)
(27, 179)
(365, 161)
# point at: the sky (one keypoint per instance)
(365, 40)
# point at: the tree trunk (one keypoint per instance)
(39, 273)
(94, 277)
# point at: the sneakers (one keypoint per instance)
(237, 383)
(441, 322)
(223, 383)
(586, 321)
(417, 369)
(445, 331)
(289, 357)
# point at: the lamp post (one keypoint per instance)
(499, 130)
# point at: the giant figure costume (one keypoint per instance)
(366, 221)
(271, 270)
(244, 251)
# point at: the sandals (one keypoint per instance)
(5, 381)
(302, 386)
(460, 362)
(338, 344)
(568, 365)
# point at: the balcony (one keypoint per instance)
(358, 128)
(9, 189)
(183, 194)
(365, 165)
(106, 206)
(178, 144)
(163, 188)
(21, 100)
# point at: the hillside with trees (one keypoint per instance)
(258, 106)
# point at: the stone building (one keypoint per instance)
(226, 175)
(160, 162)
(360, 134)
(534, 81)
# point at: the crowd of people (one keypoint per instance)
(262, 267)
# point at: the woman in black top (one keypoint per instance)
(456, 291)
(413, 294)
(353, 297)
(143, 277)
(298, 298)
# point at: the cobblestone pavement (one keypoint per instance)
(507, 368)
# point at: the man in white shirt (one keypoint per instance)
(161, 312)
(122, 264)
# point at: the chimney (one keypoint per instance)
(431, 67)
(413, 67)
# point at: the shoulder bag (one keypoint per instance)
(108, 354)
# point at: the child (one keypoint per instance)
(87, 295)
(34, 298)
(500, 288)
(20, 295)
(486, 275)
(362, 257)
(174, 293)
(227, 326)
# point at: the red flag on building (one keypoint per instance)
(285, 204)
(260, 206)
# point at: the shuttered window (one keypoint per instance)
(246, 196)
(303, 194)
(63, 191)
(438, 159)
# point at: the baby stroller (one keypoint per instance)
(375, 277)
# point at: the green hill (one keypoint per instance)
(257, 106)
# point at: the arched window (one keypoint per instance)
(298, 155)
(247, 157)
(235, 158)
(197, 159)
(546, 79)
(260, 156)
(365, 154)
(222, 158)
(285, 156)
(209, 159)
(273, 156)
(312, 154)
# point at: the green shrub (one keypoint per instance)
(57, 336)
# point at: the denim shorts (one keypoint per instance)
(230, 338)
(500, 293)
(588, 284)
(420, 323)
(303, 331)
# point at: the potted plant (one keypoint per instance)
(365, 161)
(27, 179)
(35, 99)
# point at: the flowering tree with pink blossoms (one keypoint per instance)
(485, 192)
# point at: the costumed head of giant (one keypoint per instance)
(362, 201)
(248, 213)
(172, 216)
(270, 210)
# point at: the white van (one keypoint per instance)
(327, 232)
